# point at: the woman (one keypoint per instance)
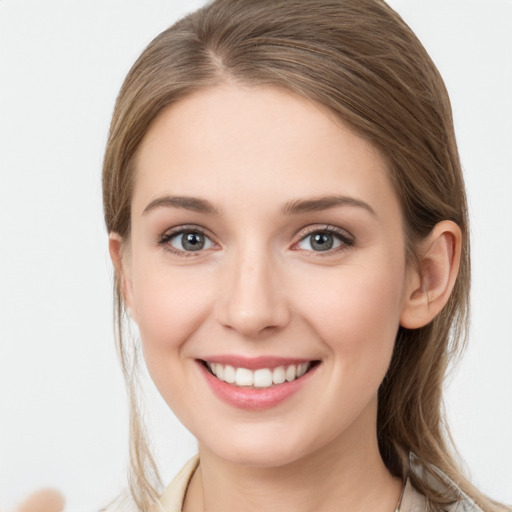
(288, 226)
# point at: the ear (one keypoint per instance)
(120, 260)
(431, 282)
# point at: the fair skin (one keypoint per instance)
(265, 234)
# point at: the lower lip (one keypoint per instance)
(253, 398)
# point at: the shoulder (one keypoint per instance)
(171, 499)
(412, 500)
(434, 478)
(173, 496)
(415, 501)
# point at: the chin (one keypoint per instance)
(259, 449)
(267, 457)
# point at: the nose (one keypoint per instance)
(253, 301)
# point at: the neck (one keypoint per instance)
(345, 474)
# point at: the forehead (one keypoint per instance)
(255, 143)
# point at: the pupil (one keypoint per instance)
(322, 242)
(192, 241)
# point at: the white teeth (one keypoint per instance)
(291, 373)
(278, 375)
(301, 369)
(220, 371)
(244, 377)
(261, 378)
(229, 374)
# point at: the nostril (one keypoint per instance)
(252, 303)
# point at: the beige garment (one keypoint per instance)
(173, 497)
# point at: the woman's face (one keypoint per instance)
(266, 241)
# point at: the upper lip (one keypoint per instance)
(255, 363)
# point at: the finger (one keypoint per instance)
(44, 500)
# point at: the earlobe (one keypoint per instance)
(430, 283)
(117, 249)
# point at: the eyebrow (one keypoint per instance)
(294, 207)
(188, 203)
(316, 204)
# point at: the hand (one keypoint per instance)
(44, 500)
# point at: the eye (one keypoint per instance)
(324, 240)
(187, 241)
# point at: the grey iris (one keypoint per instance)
(322, 241)
(192, 241)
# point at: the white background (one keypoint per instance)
(63, 419)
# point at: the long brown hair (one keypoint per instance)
(358, 59)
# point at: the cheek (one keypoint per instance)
(357, 316)
(170, 306)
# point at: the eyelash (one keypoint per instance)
(346, 240)
(166, 238)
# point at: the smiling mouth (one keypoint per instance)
(260, 378)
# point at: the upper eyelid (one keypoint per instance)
(309, 230)
(184, 228)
